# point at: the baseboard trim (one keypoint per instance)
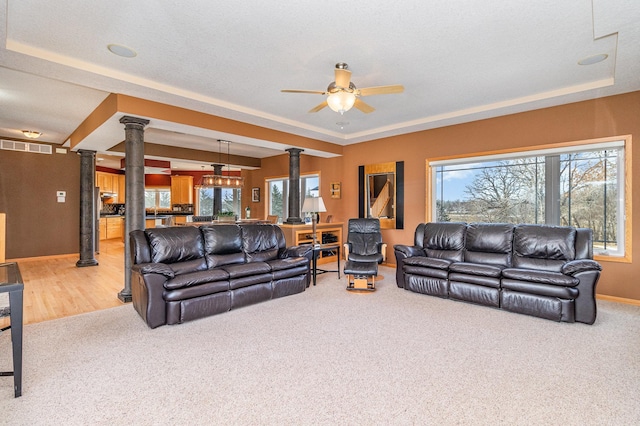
(618, 299)
(52, 256)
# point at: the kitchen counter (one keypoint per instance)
(148, 215)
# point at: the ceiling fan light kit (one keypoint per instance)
(341, 101)
(344, 95)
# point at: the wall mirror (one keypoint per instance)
(381, 188)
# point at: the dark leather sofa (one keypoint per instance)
(184, 273)
(539, 270)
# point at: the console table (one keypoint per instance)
(11, 282)
(326, 233)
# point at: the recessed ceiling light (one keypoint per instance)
(341, 124)
(593, 59)
(120, 50)
(32, 134)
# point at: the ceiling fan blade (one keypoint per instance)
(381, 90)
(315, 92)
(343, 78)
(362, 106)
(319, 107)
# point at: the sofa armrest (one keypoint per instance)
(147, 290)
(408, 251)
(580, 265)
(402, 252)
(297, 251)
(154, 268)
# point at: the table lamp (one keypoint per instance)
(313, 205)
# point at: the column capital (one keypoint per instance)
(294, 151)
(127, 119)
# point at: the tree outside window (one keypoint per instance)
(580, 189)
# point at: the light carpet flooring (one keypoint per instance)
(330, 357)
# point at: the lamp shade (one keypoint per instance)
(313, 205)
(341, 101)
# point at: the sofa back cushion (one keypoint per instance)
(262, 242)
(444, 240)
(222, 244)
(489, 243)
(364, 236)
(175, 244)
(543, 247)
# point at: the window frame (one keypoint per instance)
(157, 190)
(237, 198)
(285, 192)
(591, 144)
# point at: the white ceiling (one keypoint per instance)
(459, 61)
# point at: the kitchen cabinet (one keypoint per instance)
(179, 219)
(121, 189)
(111, 227)
(107, 182)
(115, 227)
(103, 228)
(181, 190)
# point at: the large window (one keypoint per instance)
(278, 193)
(231, 199)
(581, 186)
(157, 198)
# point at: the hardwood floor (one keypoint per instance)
(54, 287)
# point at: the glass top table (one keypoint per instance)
(319, 248)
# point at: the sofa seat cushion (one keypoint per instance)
(493, 282)
(540, 289)
(541, 277)
(476, 269)
(250, 280)
(427, 262)
(290, 272)
(287, 263)
(196, 278)
(247, 269)
(196, 291)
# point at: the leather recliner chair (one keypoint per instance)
(364, 250)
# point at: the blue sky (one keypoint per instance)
(455, 182)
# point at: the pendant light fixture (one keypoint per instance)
(219, 181)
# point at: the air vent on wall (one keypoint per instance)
(25, 147)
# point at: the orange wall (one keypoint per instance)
(330, 170)
(612, 116)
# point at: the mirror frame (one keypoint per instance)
(396, 168)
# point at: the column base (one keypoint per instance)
(294, 221)
(86, 262)
(125, 297)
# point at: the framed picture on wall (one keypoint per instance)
(255, 195)
(335, 189)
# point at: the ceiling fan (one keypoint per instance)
(343, 94)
